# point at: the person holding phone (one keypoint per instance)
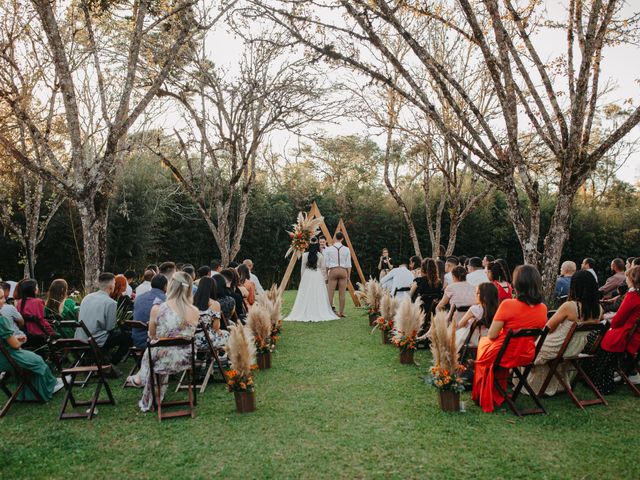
(384, 264)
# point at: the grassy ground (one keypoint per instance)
(336, 403)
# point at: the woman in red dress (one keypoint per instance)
(616, 341)
(524, 311)
(499, 278)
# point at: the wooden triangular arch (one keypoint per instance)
(314, 212)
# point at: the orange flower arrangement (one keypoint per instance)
(240, 383)
(446, 373)
(408, 320)
(303, 230)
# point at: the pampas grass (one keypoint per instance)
(370, 294)
(259, 321)
(443, 342)
(271, 301)
(388, 306)
(241, 349)
(408, 318)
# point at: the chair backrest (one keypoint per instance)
(131, 324)
(76, 345)
(172, 342)
(4, 351)
(634, 329)
(580, 329)
(533, 333)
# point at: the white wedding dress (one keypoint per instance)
(312, 301)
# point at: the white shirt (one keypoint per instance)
(448, 279)
(477, 277)
(399, 278)
(129, 291)
(144, 287)
(254, 279)
(337, 255)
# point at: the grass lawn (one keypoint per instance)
(337, 403)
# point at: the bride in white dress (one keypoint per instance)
(312, 301)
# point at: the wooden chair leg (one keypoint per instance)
(11, 400)
(585, 378)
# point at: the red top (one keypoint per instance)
(502, 293)
(615, 340)
(36, 325)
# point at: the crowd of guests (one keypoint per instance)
(170, 299)
(485, 294)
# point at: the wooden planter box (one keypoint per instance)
(245, 401)
(264, 360)
(406, 357)
(386, 337)
(449, 401)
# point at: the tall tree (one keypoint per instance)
(556, 101)
(103, 62)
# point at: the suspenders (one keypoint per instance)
(338, 249)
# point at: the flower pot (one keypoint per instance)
(406, 357)
(264, 360)
(245, 401)
(386, 337)
(449, 401)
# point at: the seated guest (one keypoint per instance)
(477, 273)
(398, 281)
(98, 313)
(224, 298)
(216, 267)
(145, 286)
(142, 307)
(440, 265)
(236, 291)
(176, 317)
(524, 311)
(43, 380)
(245, 281)
(60, 307)
(10, 312)
(581, 306)
(636, 262)
(154, 268)
(168, 269)
(209, 309)
(415, 263)
(427, 286)
(9, 288)
(567, 269)
(498, 277)
(254, 278)
(460, 293)
(449, 265)
(589, 264)
(629, 263)
(487, 301)
(191, 271)
(615, 341)
(611, 305)
(124, 302)
(486, 261)
(130, 276)
(615, 280)
(31, 309)
(202, 272)
(505, 268)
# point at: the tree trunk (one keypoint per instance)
(453, 236)
(554, 242)
(93, 217)
(528, 235)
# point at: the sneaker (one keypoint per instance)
(635, 379)
(617, 378)
(59, 385)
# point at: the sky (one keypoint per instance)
(621, 66)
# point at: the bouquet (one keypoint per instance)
(446, 372)
(241, 352)
(408, 319)
(303, 230)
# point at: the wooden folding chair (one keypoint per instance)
(211, 359)
(90, 363)
(574, 361)
(467, 350)
(134, 352)
(533, 333)
(622, 357)
(23, 380)
(157, 383)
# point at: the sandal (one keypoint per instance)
(131, 382)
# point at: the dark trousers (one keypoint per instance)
(120, 341)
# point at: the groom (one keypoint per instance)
(337, 259)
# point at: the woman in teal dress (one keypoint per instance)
(43, 380)
(60, 307)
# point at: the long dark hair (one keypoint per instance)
(206, 291)
(429, 271)
(221, 286)
(56, 294)
(27, 290)
(488, 294)
(528, 284)
(244, 273)
(415, 262)
(231, 275)
(312, 258)
(460, 273)
(505, 268)
(497, 272)
(583, 289)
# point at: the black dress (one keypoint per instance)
(430, 295)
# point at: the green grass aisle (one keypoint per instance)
(337, 403)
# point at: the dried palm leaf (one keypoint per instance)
(241, 349)
(388, 306)
(259, 321)
(409, 317)
(443, 342)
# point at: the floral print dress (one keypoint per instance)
(166, 360)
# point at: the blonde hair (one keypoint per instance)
(181, 292)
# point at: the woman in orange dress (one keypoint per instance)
(245, 281)
(524, 311)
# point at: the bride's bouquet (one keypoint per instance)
(303, 230)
